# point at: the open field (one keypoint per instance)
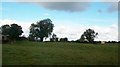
(59, 53)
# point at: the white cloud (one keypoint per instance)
(73, 31)
(107, 33)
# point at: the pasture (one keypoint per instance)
(59, 53)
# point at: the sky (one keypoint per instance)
(70, 19)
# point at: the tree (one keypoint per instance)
(12, 31)
(64, 39)
(0, 31)
(5, 29)
(0, 35)
(15, 31)
(42, 29)
(54, 35)
(82, 39)
(32, 34)
(88, 35)
(54, 38)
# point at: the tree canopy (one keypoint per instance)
(88, 35)
(5, 29)
(42, 29)
(54, 38)
(64, 39)
(13, 31)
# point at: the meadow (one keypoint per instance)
(59, 53)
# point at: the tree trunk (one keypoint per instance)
(41, 39)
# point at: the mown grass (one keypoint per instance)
(59, 53)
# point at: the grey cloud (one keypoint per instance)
(72, 6)
(66, 6)
(76, 6)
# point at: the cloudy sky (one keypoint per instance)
(71, 19)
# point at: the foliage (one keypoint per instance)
(54, 38)
(42, 29)
(82, 39)
(64, 39)
(0, 31)
(88, 35)
(13, 31)
(5, 29)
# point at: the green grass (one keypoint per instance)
(59, 53)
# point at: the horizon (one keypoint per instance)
(70, 19)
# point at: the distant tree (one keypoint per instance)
(23, 37)
(31, 37)
(54, 35)
(4, 32)
(12, 31)
(42, 29)
(0, 35)
(5, 29)
(82, 39)
(88, 35)
(0, 31)
(15, 31)
(32, 34)
(118, 41)
(64, 39)
(54, 38)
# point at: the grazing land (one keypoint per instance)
(59, 53)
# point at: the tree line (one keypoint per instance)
(39, 31)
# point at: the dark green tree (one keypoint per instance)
(42, 29)
(5, 29)
(88, 35)
(82, 39)
(0, 31)
(32, 34)
(54, 35)
(15, 31)
(54, 38)
(64, 39)
(4, 33)
(12, 31)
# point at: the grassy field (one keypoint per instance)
(59, 53)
